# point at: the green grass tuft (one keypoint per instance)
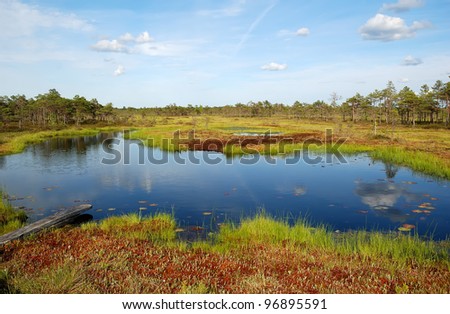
(395, 247)
(10, 219)
(258, 230)
(423, 162)
(159, 227)
(263, 230)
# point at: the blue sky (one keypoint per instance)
(203, 52)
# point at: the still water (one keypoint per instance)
(359, 194)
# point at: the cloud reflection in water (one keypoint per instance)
(383, 197)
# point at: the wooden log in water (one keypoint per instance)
(54, 221)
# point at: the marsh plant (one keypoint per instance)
(132, 254)
(248, 149)
(10, 218)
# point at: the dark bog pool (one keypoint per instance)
(205, 188)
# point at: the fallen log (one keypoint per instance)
(54, 221)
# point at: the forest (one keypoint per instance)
(430, 106)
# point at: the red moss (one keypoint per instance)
(110, 264)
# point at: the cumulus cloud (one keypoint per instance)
(404, 80)
(119, 70)
(411, 61)
(273, 66)
(109, 46)
(387, 28)
(142, 44)
(301, 32)
(402, 5)
(144, 38)
(20, 19)
(127, 37)
(304, 31)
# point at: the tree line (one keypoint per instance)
(430, 106)
(51, 109)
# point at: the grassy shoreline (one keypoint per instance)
(16, 142)
(420, 149)
(131, 254)
(422, 162)
(423, 150)
(10, 218)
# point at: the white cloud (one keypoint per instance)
(273, 66)
(302, 32)
(109, 46)
(402, 5)
(127, 37)
(411, 61)
(144, 38)
(387, 28)
(404, 80)
(119, 70)
(19, 19)
(142, 44)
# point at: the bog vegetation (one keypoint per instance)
(133, 254)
